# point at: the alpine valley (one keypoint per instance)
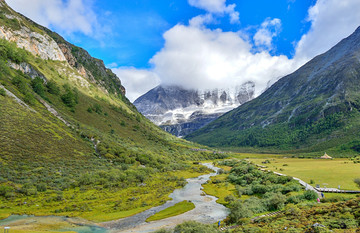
(77, 156)
(67, 130)
(316, 108)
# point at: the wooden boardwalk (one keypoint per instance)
(334, 190)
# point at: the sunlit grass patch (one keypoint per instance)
(174, 210)
(220, 188)
(330, 173)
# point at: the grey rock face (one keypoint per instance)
(36, 43)
(197, 121)
(27, 69)
(180, 111)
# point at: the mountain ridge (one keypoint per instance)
(181, 111)
(67, 132)
(318, 98)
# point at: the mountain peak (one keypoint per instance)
(181, 111)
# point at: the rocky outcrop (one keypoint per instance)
(48, 45)
(92, 69)
(38, 44)
(27, 69)
(197, 120)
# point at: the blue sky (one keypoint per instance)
(198, 43)
(133, 30)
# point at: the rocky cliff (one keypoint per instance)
(47, 44)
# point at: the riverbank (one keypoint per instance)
(206, 209)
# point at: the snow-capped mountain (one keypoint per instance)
(180, 111)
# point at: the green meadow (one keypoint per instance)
(177, 209)
(325, 172)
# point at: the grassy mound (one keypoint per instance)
(174, 210)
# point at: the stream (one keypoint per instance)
(206, 211)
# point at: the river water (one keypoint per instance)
(206, 211)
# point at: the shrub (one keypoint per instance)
(28, 189)
(95, 108)
(37, 85)
(229, 198)
(255, 205)
(310, 195)
(238, 210)
(192, 226)
(293, 210)
(52, 87)
(163, 231)
(41, 187)
(20, 83)
(357, 182)
(29, 99)
(2, 92)
(274, 201)
(70, 97)
(295, 199)
(5, 191)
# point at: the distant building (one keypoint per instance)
(325, 156)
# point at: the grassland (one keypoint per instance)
(220, 188)
(101, 204)
(50, 168)
(44, 224)
(330, 173)
(177, 209)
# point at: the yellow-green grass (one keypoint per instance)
(255, 155)
(221, 189)
(43, 224)
(4, 215)
(325, 172)
(177, 209)
(37, 231)
(99, 205)
(343, 195)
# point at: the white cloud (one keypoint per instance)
(68, 17)
(200, 58)
(136, 81)
(217, 7)
(331, 21)
(201, 20)
(269, 29)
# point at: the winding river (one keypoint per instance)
(206, 210)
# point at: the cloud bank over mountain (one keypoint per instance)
(197, 57)
(200, 55)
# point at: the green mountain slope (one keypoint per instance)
(315, 108)
(70, 141)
